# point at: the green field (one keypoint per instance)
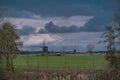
(60, 62)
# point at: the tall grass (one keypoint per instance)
(106, 74)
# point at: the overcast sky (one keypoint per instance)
(32, 18)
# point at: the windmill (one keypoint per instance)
(44, 48)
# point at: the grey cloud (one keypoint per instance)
(101, 9)
(96, 24)
(52, 28)
(64, 8)
(26, 30)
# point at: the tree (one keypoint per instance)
(109, 38)
(1, 17)
(117, 20)
(10, 44)
(90, 48)
(112, 36)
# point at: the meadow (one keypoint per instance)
(75, 62)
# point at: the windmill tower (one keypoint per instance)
(44, 49)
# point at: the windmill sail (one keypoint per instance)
(43, 44)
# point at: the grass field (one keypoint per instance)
(60, 62)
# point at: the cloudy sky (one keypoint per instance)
(70, 23)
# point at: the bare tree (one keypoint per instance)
(1, 17)
(109, 39)
(10, 44)
(117, 20)
(90, 48)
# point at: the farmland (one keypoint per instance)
(70, 61)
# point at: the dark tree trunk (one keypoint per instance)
(12, 66)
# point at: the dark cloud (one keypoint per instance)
(51, 2)
(96, 24)
(100, 9)
(64, 8)
(52, 28)
(26, 30)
